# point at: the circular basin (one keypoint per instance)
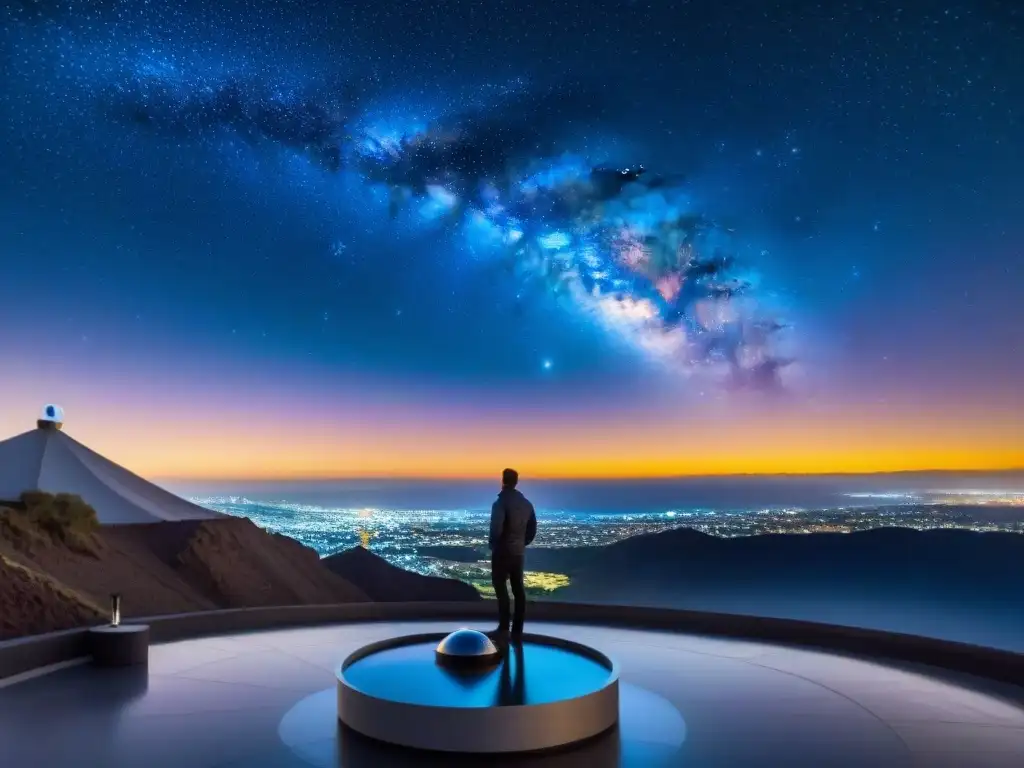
(543, 692)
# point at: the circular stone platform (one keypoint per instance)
(545, 692)
(124, 645)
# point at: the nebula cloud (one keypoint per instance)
(623, 245)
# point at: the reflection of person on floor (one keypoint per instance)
(512, 691)
(513, 527)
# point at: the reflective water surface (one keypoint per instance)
(529, 673)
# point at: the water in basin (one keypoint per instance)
(529, 673)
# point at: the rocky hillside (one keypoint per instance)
(60, 567)
(31, 602)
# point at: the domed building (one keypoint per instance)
(47, 459)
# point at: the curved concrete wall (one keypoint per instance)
(25, 654)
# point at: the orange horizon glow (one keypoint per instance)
(608, 471)
(177, 461)
(175, 449)
(264, 436)
(490, 475)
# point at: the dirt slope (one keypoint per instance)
(31, 602)
(166, 567)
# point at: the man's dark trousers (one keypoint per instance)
(509, 568)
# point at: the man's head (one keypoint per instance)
(509, 478)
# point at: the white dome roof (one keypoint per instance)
(52, 413)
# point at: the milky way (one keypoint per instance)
(700, 260)
(625, 246)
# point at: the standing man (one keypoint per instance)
(513, 526)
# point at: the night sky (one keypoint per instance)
(268, 239)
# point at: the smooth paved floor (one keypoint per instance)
(268, 699)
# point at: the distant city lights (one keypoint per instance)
(973, 497)
(453, 542)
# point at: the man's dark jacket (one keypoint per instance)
(513, 523)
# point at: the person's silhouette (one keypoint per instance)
(513, 527)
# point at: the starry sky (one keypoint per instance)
(604, 238)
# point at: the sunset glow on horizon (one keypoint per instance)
(214, 440)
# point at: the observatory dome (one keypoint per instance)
(52, 416)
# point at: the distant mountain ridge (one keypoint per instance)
(956, 584)
(384, 582)
(701, 557)
(941, 555)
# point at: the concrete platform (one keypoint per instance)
(268, 699)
